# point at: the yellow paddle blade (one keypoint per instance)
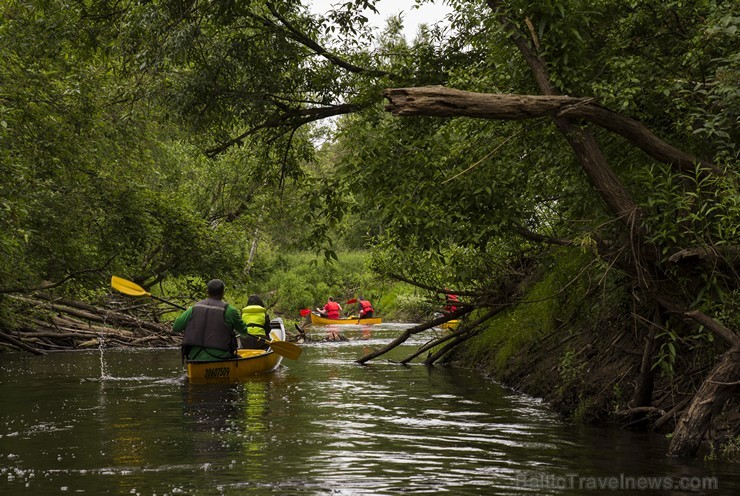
(285, 349)
(127, 287)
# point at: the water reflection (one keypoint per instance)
(129, 423)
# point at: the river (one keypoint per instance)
(127, 422)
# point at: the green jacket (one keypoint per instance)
(233, 320)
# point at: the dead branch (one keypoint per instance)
(21, 344)
(452, 335)
(727, 335)
(414, 330)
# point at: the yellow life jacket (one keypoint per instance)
(255, 316)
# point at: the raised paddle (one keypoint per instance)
(132, 289)
(282, 348)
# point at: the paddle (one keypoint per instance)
(282, 348)
(133, 289)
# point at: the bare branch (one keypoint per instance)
(290, 120)
(717, 328)
(526, 233)
(414, 330)
(306, 41)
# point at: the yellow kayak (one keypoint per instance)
(249, 363)
(450, 324)
(318, 319)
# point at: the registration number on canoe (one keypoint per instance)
(217, 372)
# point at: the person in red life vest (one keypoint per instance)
(331, 310)
(366, 308)
(451, 301)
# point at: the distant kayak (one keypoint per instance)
(318, 319)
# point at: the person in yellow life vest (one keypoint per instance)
(366, 308)
(255, 317)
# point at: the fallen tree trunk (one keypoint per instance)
(439, 101)
(709, 400)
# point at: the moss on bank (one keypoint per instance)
(575, 341)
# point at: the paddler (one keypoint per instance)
(255, 317)
(210, 326)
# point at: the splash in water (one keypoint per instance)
(101, 346)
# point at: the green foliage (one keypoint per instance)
(666, 358)
(698, 210)
(300, 280)
(571, 368)
(726, 450)
(673, 340)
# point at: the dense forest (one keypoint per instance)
(567, 167)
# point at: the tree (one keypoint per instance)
(634, 249)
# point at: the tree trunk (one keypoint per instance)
(722, 381)
(643, 396)
(252, 252)
(439, 101)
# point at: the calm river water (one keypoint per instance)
(127, 422)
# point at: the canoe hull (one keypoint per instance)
(318, 319)
(234, 370)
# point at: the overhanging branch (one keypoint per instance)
(290, 120)
(439, 101)
(297, 35)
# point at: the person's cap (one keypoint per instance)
(216, 287)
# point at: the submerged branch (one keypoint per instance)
(466, 329)
(414, 330)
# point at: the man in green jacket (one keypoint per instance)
(210, 326)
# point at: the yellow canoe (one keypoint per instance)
(450, 324)
(233, 370)
(318, 319)
(249, 363)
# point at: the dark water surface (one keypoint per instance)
(127, 422)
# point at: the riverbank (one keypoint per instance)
(583, 349)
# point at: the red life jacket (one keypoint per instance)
(332, 310)
(366, 307)
(451, 298)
